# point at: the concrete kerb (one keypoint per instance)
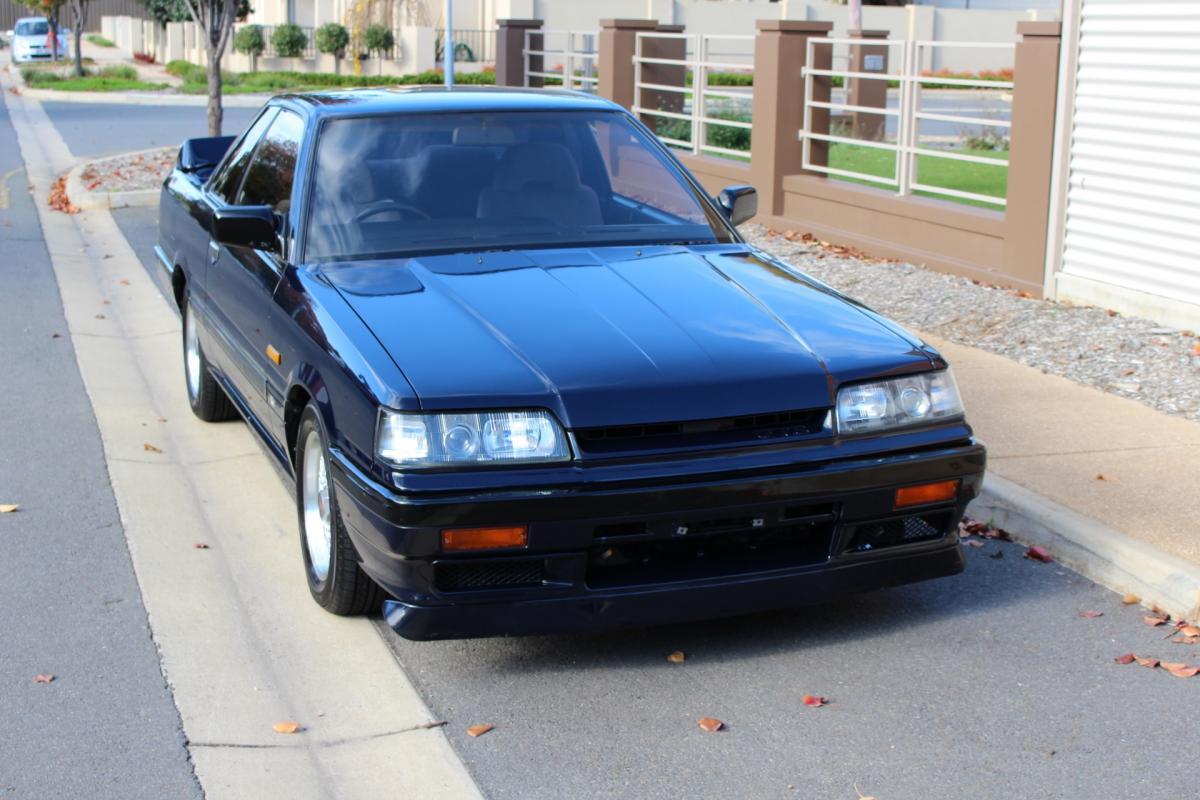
(142, 98)
(86, 198)
(1091, 548)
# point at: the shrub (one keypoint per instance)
(180, 68)
(120, 71)
(288, 40)
(333, 39)
(249, 40)
(100, 41)
(378, 38)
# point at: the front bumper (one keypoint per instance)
(653, 552)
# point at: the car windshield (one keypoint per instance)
(414, 184)
(32, 28)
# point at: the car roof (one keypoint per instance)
(435, 99)
(30, 19)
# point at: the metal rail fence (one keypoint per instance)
(572, 59)
(907, 147)
(700, 63)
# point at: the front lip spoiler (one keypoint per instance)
(666, 604)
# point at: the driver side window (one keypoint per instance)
(229, 179)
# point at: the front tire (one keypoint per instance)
(206, 397)
(335, 578)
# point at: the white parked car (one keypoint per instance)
(30, 40)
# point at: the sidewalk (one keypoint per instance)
(1057, 438)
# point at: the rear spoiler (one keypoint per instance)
(199, 156)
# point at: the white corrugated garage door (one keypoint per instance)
(1133, 199)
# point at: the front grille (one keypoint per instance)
(700, 433)
(690, 557)
(465, 576)
(901, 530)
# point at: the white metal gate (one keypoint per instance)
(1133, 192)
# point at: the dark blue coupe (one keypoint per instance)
(527, 378)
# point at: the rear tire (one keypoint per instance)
(206, 397)
(335, 578)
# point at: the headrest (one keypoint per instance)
(545, 163)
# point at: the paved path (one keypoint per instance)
(107, 726)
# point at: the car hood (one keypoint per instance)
(616, 336)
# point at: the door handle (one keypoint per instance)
(214, 251)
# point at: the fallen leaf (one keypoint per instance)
(56, 336)
(1184, 672)
(149, 448)
(814, 701)
(861, 796)
(1153, 622)
(1186, 640)
(1147, 662)
(1103, 477)
(1128, 658)
(1189, 630)
(973, 543)
(1037, 553)
(200, 546)
(8, 508)
(43, 678)
(287, 726)
(124, 282)
(1130, 599)
(101, 316)
(677, 657)
(1091, 614)
(479, 730)
(790, 235)
(710, 724)
(58, 199)
(1196, 348)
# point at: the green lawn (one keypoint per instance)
(108, 79)
(962, 175)
(99, 40)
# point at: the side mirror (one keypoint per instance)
(247, 226)
(738, 203)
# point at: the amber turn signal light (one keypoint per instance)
(484, 538)
(926, 493)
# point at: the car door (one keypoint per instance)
(217, 334)
(242, 280)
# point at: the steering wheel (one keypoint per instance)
(383, 206)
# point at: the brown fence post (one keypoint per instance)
(510, 51)
(778, 108)
(1031, 150)
(664, 75)
(865, 91)
(617, 46)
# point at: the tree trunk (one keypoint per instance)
(52, 19)
(79, 11)
(215, 112)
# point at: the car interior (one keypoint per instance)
(395, 183)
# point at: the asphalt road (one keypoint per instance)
(103, 129)
(986, 685)
(106, 727)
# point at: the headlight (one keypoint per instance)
(490, 437)
(897, 402)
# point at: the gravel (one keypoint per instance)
(131, 172)
(1127, 356)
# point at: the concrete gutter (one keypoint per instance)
(1093, 549)
(86, 198)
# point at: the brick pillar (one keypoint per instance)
(1031, 150)
(664, 75)
(510, 51)
(867, 92)
(617, 43)
(778, 110)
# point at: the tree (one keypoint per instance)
(79, 10)
(164, 11)
(288, 40)
(333, 39)
(215, 18)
